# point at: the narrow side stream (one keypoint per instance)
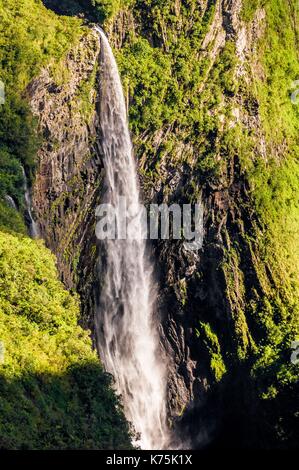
(127, 331)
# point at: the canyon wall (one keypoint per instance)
(220, 307)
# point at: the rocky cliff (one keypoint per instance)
(204, 82)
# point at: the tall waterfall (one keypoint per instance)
(128, 338)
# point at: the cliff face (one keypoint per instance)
(68, 179)
(54, 393)
(207, 288)
(229, 311)
(68, 175)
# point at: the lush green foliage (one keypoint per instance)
(30, 37)
(274, 185)
(175, 86)
(53, 392)
(11, 220)
(94, 10)
(249, 8)
(211, 343)
(105, 9)
(271, 308)
(163, 70)
(172, 85)
(11, 177)
(40, 38)
(148, 78)
(275, 181)
(179, 90)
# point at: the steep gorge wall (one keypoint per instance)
(208, 301)
(68, 178)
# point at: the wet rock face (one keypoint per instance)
(68, 175)
(66, 192)
(193, 286)
(192, 289)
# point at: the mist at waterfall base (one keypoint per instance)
(127, 330)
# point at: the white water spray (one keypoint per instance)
(127, 332)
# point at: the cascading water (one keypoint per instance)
(127, 334)
(33, 227)
(10, 202)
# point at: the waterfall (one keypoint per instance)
(10, 202)
(127, 332)
(33, 227)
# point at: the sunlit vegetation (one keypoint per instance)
(54, 393)
(30, 37)
(171, 82)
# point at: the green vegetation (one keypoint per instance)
(211, 342)
(147, 77)
(274, 190)
(31, 37)
(274, 182)
(94, 10)
(11, 220)
(163, 70)
(249, 8)
(271, 307)
(105, 9)
(171, 84)
(183, 93)
(40, 38)
(54, 393)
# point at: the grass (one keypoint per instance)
(31, 37)
(54, 393)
